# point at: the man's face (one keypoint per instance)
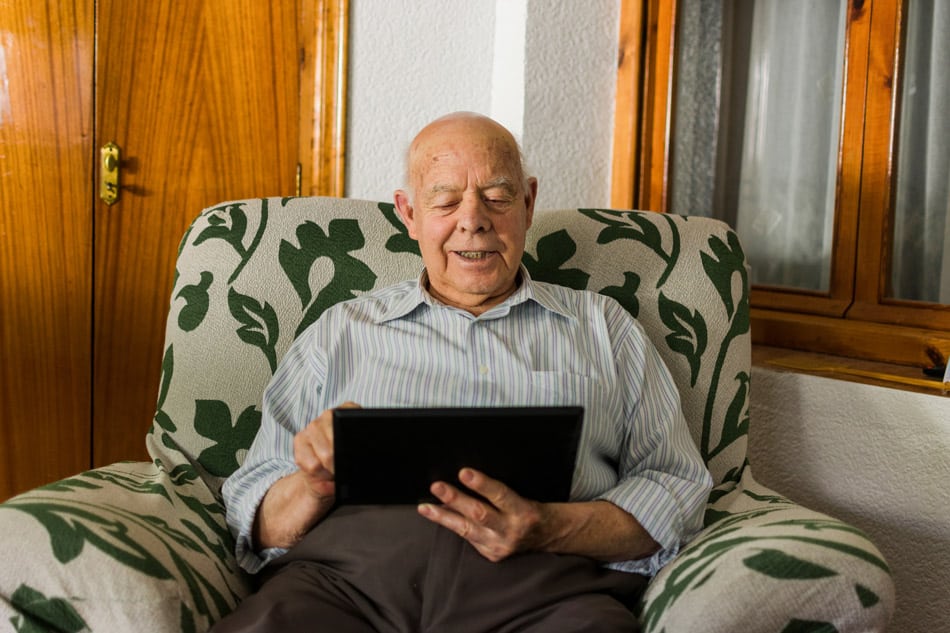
(470, 211)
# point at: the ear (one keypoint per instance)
(531, 194)
(405, 211)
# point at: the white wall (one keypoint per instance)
(545, 68)
(877, 458)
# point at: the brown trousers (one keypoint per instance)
(386, 569)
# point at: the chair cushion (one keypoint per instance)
(123, 548)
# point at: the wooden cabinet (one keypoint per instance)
(208, 101)
(46, 142)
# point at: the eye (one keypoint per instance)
(497, 200)
(446, 204)
(499, 196)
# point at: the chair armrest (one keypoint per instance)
(116, 547)
(764, 563)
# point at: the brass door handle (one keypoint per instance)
(109, 173)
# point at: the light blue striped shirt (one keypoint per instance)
(545, 345)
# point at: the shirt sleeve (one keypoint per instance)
(291, 400)
(663, 482)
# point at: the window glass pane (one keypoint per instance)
(920, 268)
(756, 128)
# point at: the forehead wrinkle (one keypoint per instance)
(499, 182)
(432, 147)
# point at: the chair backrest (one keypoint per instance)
(251, 274)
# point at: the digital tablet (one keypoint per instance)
(392, 456)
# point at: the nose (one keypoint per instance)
(473, 215)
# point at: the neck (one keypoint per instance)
(474, 304)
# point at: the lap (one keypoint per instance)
(586, 613)
(295, 598)
(386, 569)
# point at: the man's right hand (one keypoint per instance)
(296, 503)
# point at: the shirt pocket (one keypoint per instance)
(555, 388)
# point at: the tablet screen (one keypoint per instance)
(392, 456)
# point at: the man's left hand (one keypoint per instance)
(499, 525)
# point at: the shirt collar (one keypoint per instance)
(528, 290)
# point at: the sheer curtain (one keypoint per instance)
(766, 75)
(786, 188)
(921, 263)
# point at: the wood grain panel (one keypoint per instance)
(46, 63)
(657, 106)
(855, 339)
(875, 241)
(627, 106)
(202, 98)
(324, 41)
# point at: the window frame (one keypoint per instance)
(854, 317)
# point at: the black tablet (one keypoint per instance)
(392, 456)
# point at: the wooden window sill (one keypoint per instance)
(868, 372)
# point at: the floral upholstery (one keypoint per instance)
(143, 546)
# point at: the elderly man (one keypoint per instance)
(493, 561)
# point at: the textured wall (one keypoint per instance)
(413, 60)
(410, 62)
(878, 458)
(570, 80)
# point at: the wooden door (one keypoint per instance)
(46, 63)
(202, 99)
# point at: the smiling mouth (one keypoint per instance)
(473, 254)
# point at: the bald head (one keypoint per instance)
(426, 149)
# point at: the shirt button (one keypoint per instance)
(483, 370)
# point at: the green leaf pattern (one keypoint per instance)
(350, 274)
(626, 293)
(687, 335)
(400, 242)
(554, 251)
(259, 325)
(777, 564)
(633, 225)
(38, 613)
(196, 303)
(162, 419)
(213, 421)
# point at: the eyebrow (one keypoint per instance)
(502, 182)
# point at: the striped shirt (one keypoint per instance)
(545, 345)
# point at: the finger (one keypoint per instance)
(319, 434)
(313, 446)
(307, 457)
(452, 520)
(495, 492)
(489, 543)
(466, 506)
(319, 479)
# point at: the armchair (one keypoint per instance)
(144, 546)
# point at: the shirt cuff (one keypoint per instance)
(241, 522)
(659, 512)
